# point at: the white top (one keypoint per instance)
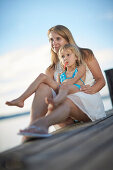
(90, 104)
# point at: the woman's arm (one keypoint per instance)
(50, 72)
(95, 69)
(58, 78)
(50, 80)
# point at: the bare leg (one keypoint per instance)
(62, 94)
(52, 103)
(58, 115)
(42, 78)
(50, 119)
(39, 107)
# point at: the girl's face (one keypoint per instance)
(56, 41)
(68, 58)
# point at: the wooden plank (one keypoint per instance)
(73, 151)
(67, 149)
(43, 143)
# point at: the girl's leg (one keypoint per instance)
(58, 115)
(42, 78)
(63, 92)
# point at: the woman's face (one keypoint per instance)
(56, 41)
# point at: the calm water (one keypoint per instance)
(10, 127)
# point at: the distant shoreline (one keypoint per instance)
(28, 112)
(14, 115)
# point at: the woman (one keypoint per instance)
(83, 106)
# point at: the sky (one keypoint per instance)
(25, 23)
(24, 46)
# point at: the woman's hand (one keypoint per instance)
(87, 89)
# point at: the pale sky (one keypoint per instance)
(24, 23)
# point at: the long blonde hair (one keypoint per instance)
(66, 34)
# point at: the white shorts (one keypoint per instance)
(53, 93)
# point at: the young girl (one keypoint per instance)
(69, 56)
(74, 72)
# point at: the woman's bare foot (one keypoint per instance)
(17, 102)
(35, 129)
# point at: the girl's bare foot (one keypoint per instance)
(50, 103)
(16, 102)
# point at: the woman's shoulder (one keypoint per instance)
(87, 51)
(87, 54)
(51, 67)
(81, 67)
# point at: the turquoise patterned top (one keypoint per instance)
(64, 77)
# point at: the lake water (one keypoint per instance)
(9, 128)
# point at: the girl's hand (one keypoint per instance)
(67, 81)
(87, 89)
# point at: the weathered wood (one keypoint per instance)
(83, 146)
(74, 151)
(109, 77)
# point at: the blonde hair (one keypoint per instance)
(66, 34)
(74, 50)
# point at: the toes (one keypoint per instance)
(50, 103)
(46, 100)
(8, 103)
(50, 106)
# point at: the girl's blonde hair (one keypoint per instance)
(74, 50)
(66, 34)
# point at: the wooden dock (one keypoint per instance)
(82, 146)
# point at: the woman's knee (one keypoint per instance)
(44, 88)
(42, 77)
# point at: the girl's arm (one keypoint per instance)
(81, 72)
(95, 69)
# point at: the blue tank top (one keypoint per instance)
(64, 77)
